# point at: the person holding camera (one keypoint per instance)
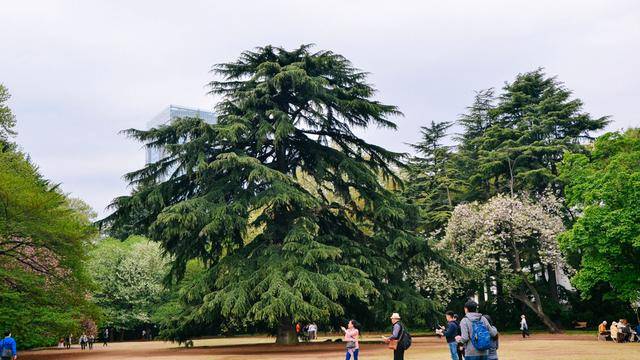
(351, 335)
(450, 332)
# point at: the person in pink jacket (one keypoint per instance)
(351, 338)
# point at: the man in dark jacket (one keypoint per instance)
(450, 334)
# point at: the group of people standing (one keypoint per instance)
(85, 341)
(307, 332)
(475, 337)
(619, 331)
(399, 341)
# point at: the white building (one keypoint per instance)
(169, 114)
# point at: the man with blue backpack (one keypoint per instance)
(476, 333)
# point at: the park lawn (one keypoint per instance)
(539, 347)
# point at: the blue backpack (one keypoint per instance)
(481, 338)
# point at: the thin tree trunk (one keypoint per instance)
(553, 283)
(511, 179)
(286, 333)
(537, 305)
(499, 286)
(481, 300)
(488, 285)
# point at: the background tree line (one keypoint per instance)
(279, 213)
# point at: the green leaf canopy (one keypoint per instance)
(604, 186)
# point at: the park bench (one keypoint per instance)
(580, 325)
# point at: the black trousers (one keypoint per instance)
(398, 354)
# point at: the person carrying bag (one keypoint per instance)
(400, 339)
(351, 337)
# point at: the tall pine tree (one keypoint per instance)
(433, 181)
(280, 200)
(534, 122)
(479, 117)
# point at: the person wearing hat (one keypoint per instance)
(396, 334)
(602, 331)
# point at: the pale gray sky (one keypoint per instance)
(80, 71)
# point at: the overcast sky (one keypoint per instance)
(80, 71)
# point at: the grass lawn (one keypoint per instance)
(512, 347)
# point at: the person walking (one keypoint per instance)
(524, 327)
(105, 337)
(476, 333)
(8, 347)
(92, 339)
(397, 334)
(69, 341)
(351, 338)
(452, 330)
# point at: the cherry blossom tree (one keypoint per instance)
(511, 240)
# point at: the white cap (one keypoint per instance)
(395, 316)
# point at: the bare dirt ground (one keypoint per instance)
(512, 347)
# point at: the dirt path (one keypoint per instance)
(512, 347)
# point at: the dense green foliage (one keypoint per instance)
(514, 142)
(604, 188)
(43, 242)
(280, 200)
(433, 180)
(128, 278)
(511, 143)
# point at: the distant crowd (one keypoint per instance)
(307, 332)
(619, 332)
(85, 341)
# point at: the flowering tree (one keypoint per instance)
(511, 240)
(128, 276)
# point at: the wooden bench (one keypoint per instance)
(580, 325)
